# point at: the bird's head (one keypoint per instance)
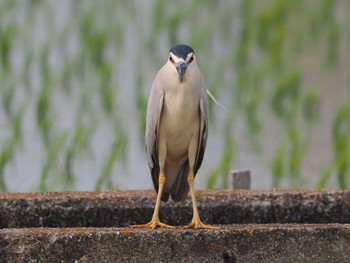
(181, 57)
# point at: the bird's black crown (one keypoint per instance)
(181, 51)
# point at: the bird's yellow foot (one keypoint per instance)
(154, 223)
(196, 223)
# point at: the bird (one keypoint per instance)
(176, 131)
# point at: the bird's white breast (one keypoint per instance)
(179, 121)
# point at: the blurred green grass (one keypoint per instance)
(252, 51)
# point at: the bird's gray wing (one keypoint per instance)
(154, 111)
(203, 132)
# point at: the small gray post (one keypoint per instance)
(240, 179)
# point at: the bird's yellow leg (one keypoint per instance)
(196, 221)
(155, 222)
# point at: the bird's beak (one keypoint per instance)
(181, 69)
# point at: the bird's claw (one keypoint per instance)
(154, 223)
(197, 224)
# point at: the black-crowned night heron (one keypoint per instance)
(176, 131)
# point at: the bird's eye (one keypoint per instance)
(171, 59)
(190, 60)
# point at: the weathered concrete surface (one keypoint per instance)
(121, 208)
(237, 243)
(257, 226)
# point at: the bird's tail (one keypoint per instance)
(180, 189)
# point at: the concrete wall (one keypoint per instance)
(257, 226)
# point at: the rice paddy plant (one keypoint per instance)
(273, 37)
(78, 145)
(341, 149)
(223, 168)
(7, 99)
(141, 99)
(9, 145)
(6, 41)
(63, 69)
(117, 151)
(52, 153)
(6, 155)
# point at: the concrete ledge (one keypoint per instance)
(239, 243)
(258, 226)
(121, 208)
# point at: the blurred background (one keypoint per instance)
(75, 78)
